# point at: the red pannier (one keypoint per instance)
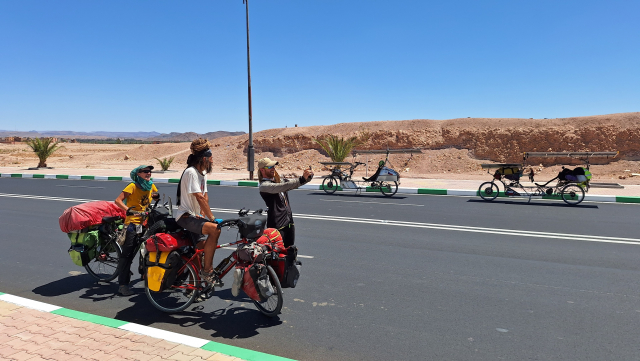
(88, 214)
(255, 283)
(287, 267)
(166, 242)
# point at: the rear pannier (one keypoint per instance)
(83, 248)
(162, 269)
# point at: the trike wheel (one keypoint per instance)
(572, 194)
(272, 305)
(488, 191)
(330, 185)
(389, 188)
(104, 266)
(178, 296)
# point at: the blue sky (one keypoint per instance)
(181, 65)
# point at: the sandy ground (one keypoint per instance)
(450, 163)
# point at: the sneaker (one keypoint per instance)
(124, 290)
(209, 277)
(218, 282)
(237, 282)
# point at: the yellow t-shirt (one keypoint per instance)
(138, 199)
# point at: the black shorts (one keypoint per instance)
(191, 223)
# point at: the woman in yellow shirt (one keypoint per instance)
(137, 195)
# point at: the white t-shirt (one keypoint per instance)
(192, 182)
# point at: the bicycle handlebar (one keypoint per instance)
(228, 223)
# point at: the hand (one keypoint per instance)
(155, 196)
(307, 174)
(218, 220)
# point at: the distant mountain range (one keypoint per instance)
(173, 136)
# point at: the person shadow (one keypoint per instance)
(94, 290)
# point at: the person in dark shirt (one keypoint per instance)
(274, 192)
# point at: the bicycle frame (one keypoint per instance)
(195, 262)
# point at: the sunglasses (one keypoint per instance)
(269, 167)
(145, 171)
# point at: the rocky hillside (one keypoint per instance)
(498, 140)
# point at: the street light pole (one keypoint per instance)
(250, 150)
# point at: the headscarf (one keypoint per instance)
(142, 183)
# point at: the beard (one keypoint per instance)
(205, 164)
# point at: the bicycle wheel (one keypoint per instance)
(104, 267)
(272, 305)
(330, 184)
(177, 297)
(389, 188)
(572, 194)
(488, 191)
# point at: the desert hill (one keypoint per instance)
(451, 148)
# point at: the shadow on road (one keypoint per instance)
(238, 317)
(539, 204)
(73, 284)
(354, 195)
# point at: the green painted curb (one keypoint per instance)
(38, 176)
(16, 175)
(213, 182)
(242, 353)
(2, 293)
(432, 191)
(622, 199)
(89, 177)
(62, 176)
(174, 180)
(114, 178)
(105, 321)
(247, 184)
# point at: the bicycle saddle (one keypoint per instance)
(111, 219)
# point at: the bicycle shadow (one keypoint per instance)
(237, 318)
(534, 203)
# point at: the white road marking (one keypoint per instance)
(64, 185)
(448, 227)
(385, 203)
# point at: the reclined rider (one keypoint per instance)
(376, 174)
(193, 204)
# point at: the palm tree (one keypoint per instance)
(338, 148)
(44, 148)
(165, 163)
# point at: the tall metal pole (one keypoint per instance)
(250, 151)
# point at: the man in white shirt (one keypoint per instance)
(193, 204)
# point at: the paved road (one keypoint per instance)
(410, 278)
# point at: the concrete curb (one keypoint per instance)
(401, 190)
(207, 345)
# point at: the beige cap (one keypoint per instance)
(266, 162)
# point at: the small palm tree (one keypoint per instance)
(165, 163)
(338, 148)
(43, 148)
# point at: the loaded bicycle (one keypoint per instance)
(103, 266)
(570, 185)
(179, 290)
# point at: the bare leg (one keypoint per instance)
(210, 244)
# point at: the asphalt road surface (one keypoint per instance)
(412, 277)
